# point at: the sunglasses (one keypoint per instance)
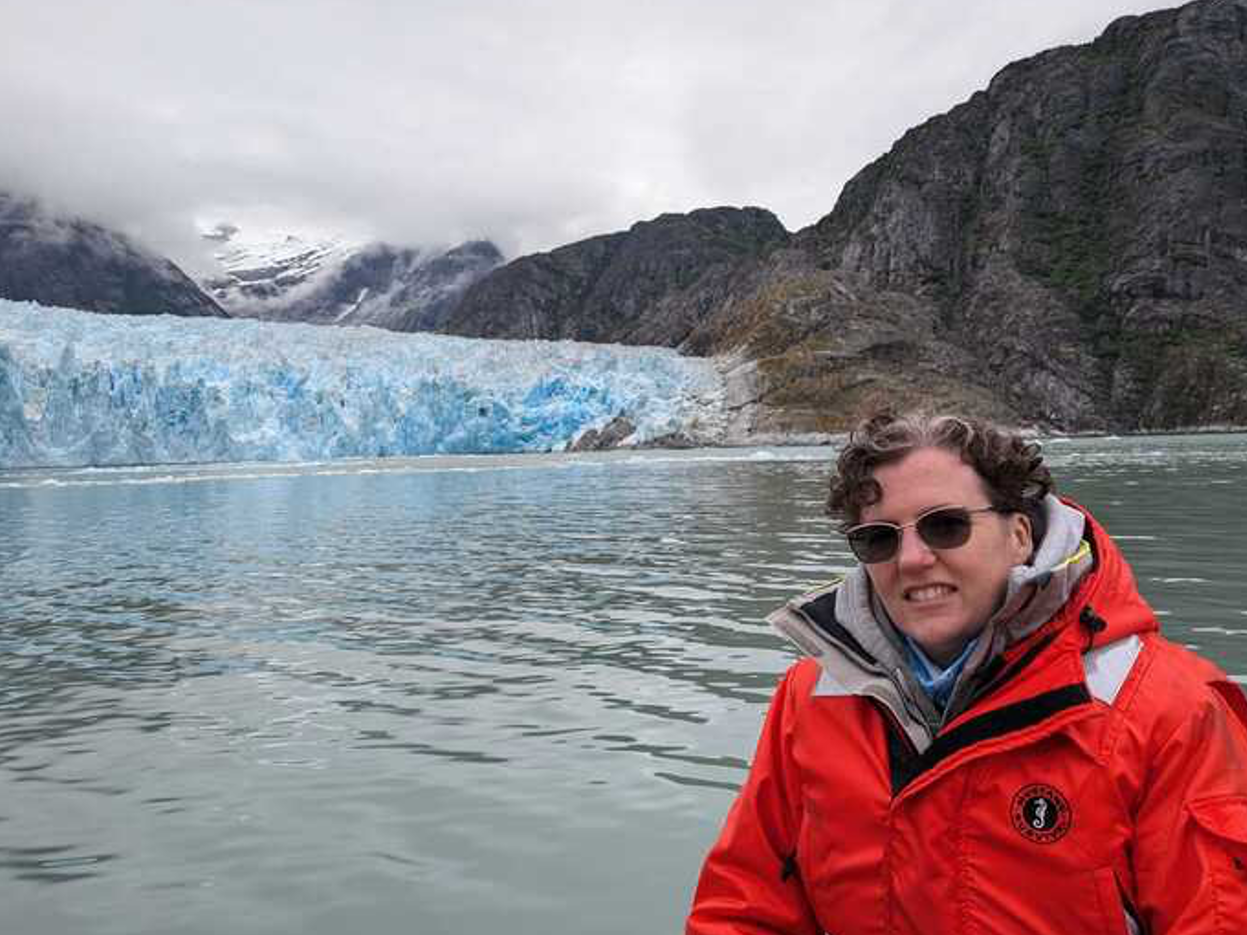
(947, 527)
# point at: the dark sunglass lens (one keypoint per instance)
(945, 529)
(873, 543)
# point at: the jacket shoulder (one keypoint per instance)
(802, 678)
(1174, 684)
(795, 692)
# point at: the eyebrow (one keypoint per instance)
(930, 509)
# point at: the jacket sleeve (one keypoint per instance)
(1190, 850)
(750, 883)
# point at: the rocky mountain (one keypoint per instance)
(651, 284)
(1068, 249)
(70, 262)
(1086, 238)
(325, 281)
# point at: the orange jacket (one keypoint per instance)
(1096, 783)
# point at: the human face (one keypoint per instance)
(943, 598)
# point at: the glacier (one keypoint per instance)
(79, 389)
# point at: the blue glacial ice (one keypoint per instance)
(81, 389)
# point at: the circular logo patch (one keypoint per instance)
(1041, 814)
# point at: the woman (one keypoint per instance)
(990, 735)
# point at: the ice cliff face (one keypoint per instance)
(80, 389)
(328, 281)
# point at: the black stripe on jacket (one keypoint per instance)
(907, 765)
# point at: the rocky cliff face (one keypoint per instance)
(1078, 230)
(76, 264)
(651, 284)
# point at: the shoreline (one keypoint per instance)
(820, 439)
(766, 440)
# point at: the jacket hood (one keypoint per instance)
(1111, 592)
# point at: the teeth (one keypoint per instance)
(929, 593)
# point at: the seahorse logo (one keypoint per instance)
(1041, 813)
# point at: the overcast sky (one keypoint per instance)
(531, 123)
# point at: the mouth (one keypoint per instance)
(928, 592)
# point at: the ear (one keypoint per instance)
(1021, 540)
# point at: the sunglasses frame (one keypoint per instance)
(899, 529)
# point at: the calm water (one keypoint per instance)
(445, 696)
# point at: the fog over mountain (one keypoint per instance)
(531, 125)
(63, 260)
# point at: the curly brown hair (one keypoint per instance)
(1011, 467)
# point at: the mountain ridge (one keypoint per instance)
(618, 287)
(62, 261)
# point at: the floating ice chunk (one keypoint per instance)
(79, 389)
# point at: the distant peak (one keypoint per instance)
(482, 248)
(221, 233)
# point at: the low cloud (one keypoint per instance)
(532, 123)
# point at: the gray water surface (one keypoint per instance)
(446, 695)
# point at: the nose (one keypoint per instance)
(913, 552)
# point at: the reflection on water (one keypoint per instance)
(445, 695)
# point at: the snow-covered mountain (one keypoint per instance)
(54, 259)
(261, 268)
(325, 280)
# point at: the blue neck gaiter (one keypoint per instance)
(937, 682)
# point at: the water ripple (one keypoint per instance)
(473, 693)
